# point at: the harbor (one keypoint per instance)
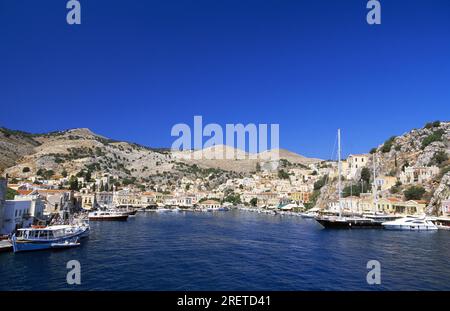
(234, 250)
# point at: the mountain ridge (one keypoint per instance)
(75, 149)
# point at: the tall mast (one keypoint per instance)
(339, 173)
(375, 196)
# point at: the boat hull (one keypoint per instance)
(349, 224)
(109, 218)
(29, 246)
(410, 227)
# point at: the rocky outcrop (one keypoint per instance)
(441, 193)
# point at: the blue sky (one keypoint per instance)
(133, 69)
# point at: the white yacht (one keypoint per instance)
(311, 213)
(410, 223)
(107, 215)
(443, 223)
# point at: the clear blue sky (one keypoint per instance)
(133, 69)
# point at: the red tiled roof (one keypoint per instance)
(24, 192)
(395, 200)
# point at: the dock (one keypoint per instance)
(5, 246)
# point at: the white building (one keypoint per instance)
(21, 212)
(418, 174)
(209, 204)
(355, 163)
(36, 204)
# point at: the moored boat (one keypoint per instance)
(443, 223)
(66, 244)
(311, 213)
(33, 239)
(107, 215)
(342, 222)
(411, 224)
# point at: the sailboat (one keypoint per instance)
(348, 222)
(376, 215)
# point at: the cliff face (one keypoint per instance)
(425, 147)
(13, 146)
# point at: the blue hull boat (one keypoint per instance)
(35, 239)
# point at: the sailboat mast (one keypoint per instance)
(339, 173)
(375, 196)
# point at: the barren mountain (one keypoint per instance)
(71, 151)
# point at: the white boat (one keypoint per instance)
(443, 223)
(40, 237)
(163, 210)
(311, 213)
(410, 223)
(66, 244)
(107, 215)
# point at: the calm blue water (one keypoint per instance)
(234, 251)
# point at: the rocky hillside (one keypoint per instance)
(427, 146)
(71, 151)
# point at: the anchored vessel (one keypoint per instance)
(108, 215)
(411, 224)
(346, 222)
(442, 223)
(39, 238)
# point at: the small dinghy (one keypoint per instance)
(66, 244)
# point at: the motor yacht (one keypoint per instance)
(410, 223)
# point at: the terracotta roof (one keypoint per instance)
(395, 200)
(149, 193)
(53, 190)
(24, 192)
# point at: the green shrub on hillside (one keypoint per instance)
(388, 144)
(435, 136)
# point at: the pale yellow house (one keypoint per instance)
(398, 206)
(300, 196)
(209, 204)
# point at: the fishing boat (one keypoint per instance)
(108, 216)
(411, 224)
(33, 239)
